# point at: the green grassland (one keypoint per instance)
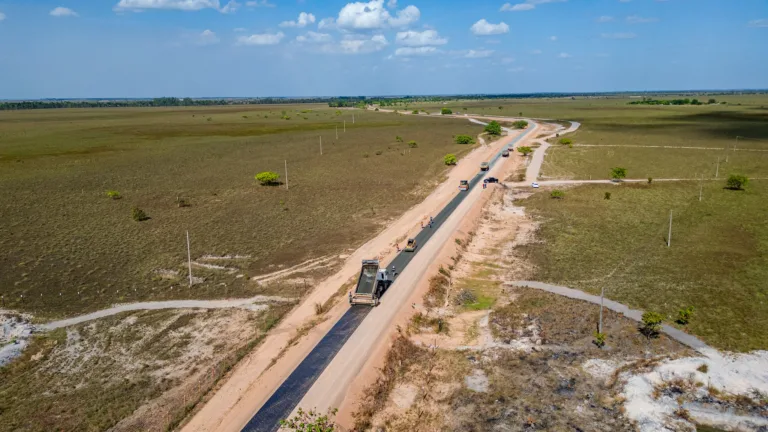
(68, 248)
(718, 260)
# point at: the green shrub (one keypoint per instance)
(650, 180)
(520, 124)
(446, 111)
(607, 195)
(525, 150)
(379, 152)
(684, 315)
(464, 139)
(115, 195)
(138, 214)
(376, 109)
(651, 324)
(618, 173)
(565, 141)
(268, 178)
(493, 128)
(557, 194)
(450, 159)
(412, 144)
(599, 339)
(365, 155)
(398, 138)
(310, 421)
(737, 182)
(415, 112)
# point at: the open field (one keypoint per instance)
(135, 371)
(68, 248)
(717, 262)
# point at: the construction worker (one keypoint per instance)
(398, 247)
(394, 272)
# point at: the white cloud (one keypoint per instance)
(553, 38)
(230, 7)
(259, 3)
(392, 4)
(314, 37)
(415, 51)
(261, 39)
(373, 15)
(238, 30)
(758, 23)
(507, 60)
(207, 37)
(564, 55)
(353, 44)
(484, 28)
(185, 5)
(303, 21)
(414, 38)
(527, 5)
(604, 19)
(63, 12)
(478, 53)
(2, 16)
(636, 19)
(618, 35)
(536, 51)
(327, 23)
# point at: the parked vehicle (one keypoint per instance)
(535, 185)
(505, 153)
(484, 166)
(491, 180)
(464, 185)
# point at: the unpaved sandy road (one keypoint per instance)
(248, 387)
(331, 387)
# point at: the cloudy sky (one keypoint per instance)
(196, 48)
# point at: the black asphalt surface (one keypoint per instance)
(280, 405)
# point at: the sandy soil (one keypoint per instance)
(248, 387)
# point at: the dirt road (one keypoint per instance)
(248, 387)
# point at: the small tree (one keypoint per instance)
(138, 214)
(415, 112)
(618, 173)
(465, 108)
(651, 324)
(310, 421)
(450, 159)
(413, 144)
(607, 196)
(501, 108)
(711, 101)
(464, 139)
(520, 124)
(650, 180)
(446, 111)
(115, 195)
(684, 315)
(565, 141)
(737, 182)
(525, 150)
(493, 128)
(599, 339)
(398, 138)
(268, 178)
(557, 194)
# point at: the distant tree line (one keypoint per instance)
(156, 102)
(686, 101)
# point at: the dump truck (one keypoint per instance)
(371, 284)
(463, 185)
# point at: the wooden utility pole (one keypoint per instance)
(189, 260)
(286, 174)
(337, 132)
(321, 149)
(345, 125)
(669, 236)
(353, 122)
(600, 324)
(717, 170)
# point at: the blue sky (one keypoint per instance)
(198, 48)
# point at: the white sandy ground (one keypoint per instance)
(15, 331)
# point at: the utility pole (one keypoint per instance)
(701, 187)
(321, 150)
(600, 324)
(189, 260)
(345, 125)
(337, 132)
(717, 170)
(669, 236)
(286, 174)
(353, 121)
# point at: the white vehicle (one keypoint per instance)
(535, 185)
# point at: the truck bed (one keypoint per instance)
(367, 281)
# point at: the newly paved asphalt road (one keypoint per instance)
(280, 405)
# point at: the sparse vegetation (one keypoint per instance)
(413, 144)
(684, 315)
(493, 128)
(565, 141)
(446, 111)
(464, 139)
(268, 178)
(607, 196)
(525, 150)
(310, 421)
(138, 214)
(599, 339)
(557, 194)
(450, 159)
(737, 182)
(115, 195)
(651, 324)
(618, 173)
(520, 124)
